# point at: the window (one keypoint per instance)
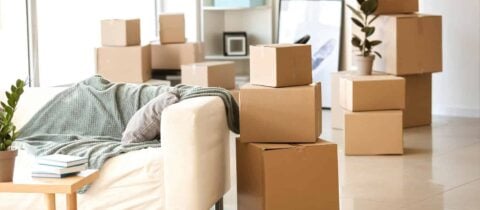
(69, 31)
(13, 42)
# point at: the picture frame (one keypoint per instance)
(235, 44)
(322, 20)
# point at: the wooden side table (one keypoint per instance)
(50, 186)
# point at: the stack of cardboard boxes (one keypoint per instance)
(122, 58)
(281, 162)
(412, 49)
(173, 50)
(373, 114)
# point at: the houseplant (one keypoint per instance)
(8, 132)
(363, 18)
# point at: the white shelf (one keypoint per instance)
(222, 57)
(213, 8)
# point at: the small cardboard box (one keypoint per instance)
(397, 6)
(281, 65)
(124, 64)
(173, 56)
(172, 28)
(236, 95)
(372, 93)
(210, 74)
(412, 44)
(373, 133)
(418, 100)
(280, 115)
(287, 176)
(120, 33)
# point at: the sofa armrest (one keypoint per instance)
(195, 139)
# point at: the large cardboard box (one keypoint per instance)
(286, 115)
(287, 176)
(172, 28)
(412, 44)
(281, 65)
(397, 6)
(418, 100)
(124, 64)
(372, 93)
(121, 33)
(210, 74)
(172, 56)
(373, 133)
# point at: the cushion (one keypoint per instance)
(145, 123)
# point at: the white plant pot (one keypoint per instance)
(364, 64)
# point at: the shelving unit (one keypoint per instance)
(257, 22)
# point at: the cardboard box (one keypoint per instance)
(124, 64)
(236, 95)
(287, 176)
(172, 56)
(172, 28)
(372, 93)
(397, 6)
(412, 44)
(280, 115)
(418, 100)
(210, 74)
(373, 133)
(281, 65)
(121, 33)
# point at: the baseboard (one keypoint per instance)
(456, 111)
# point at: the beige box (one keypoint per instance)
(236, 95)
(418, 100)
(287, 176)
(412, 44)
(210, 74)
(120, 33)
(124, 64)
(372, 93)
(281, 65)
(397, 6)
(172, 28)
(373, 133)
(280, 115)
(173, 56)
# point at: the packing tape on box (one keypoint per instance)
(194, 69)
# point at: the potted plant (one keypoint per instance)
(8, 132)
(363, 18)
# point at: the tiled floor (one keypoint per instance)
(439, 171)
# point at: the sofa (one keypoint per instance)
(189, 172)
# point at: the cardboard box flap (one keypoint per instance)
(273, 146)
(374, 78)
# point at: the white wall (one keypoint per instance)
(456, 91)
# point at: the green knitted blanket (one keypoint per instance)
(88, 119)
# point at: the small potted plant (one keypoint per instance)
(8, 132)
(363, 18)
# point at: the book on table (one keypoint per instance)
(60, 160)
(58, 170)
(50, 175)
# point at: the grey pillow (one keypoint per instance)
(145, 123)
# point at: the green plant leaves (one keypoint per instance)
(8, 132)
(375, 42)
(356, 41)
(358, 22)
(373, 19)
(368, 7)
(360, 1)
(355, 12)
(368, 31)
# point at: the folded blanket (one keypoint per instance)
(88, 119)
